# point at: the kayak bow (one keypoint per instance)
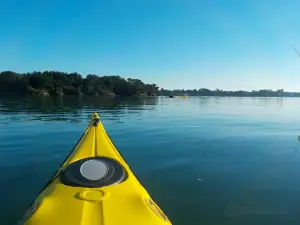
(94, 186)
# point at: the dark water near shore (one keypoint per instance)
(206, 160)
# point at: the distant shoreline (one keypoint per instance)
(57, 83)
(221, 93)
(223, 96)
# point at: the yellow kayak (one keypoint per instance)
(94, 186)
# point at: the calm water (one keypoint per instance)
(208, 161)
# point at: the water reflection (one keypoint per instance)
(70, 108)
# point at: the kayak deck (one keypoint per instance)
(94, 186)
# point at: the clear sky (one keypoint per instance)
(228, 44)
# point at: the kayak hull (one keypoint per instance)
(94, 186)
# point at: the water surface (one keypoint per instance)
(206, 160)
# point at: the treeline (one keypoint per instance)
(60, 83)
(207, 92)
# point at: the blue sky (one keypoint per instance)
(173, 43)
